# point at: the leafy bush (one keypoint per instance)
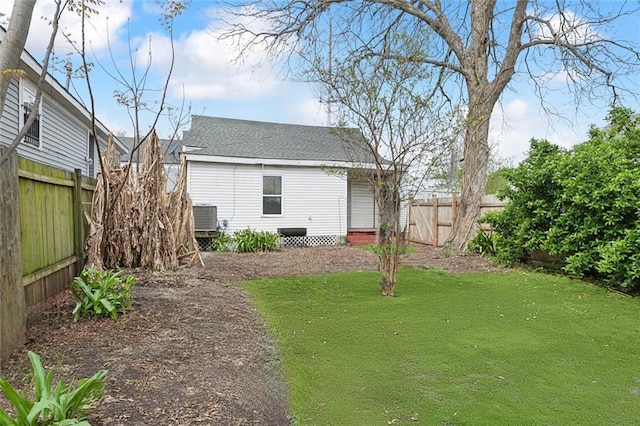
(482, 243)
(581, 203)
(62, 405)
(101, 293)
(223, 242)
(248, 240)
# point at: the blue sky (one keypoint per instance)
(207, 77)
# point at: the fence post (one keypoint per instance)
(13, 308)
(78, 220)
(434, 204)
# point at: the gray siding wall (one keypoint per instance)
(63, 137)
(9, 120)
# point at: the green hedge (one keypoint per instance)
(581, 203)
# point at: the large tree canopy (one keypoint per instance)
(476, 48)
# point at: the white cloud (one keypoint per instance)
(566, 27)
(206, 71)
(513, 126)
(208, 68)
(151, 8)
(517, 109)
(111, 17)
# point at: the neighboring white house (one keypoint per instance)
(170, 160)
(60, 136)
(292, 179)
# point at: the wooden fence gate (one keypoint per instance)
(431, 220)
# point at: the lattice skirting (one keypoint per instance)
(316, 240)
(206, 243)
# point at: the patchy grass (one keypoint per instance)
(474, 349)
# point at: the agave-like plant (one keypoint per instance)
(63, 405)
(101, 293)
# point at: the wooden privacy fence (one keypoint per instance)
(431, 220)
(52, 227)
(42, 233)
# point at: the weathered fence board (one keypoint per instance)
(52, 227)
(42, 233)
(431, 220)
(13, 312)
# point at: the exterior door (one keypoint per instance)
(362, 212)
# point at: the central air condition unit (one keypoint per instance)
(205, 217)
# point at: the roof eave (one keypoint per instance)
(190, 156)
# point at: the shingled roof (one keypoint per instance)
(167, 146)
(228, 137)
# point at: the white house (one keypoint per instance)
(299, 181)
(61, 134)
(170, 160)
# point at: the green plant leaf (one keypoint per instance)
(6, 420)
(87, 390)
(109, 307)
(21, 404)
(101, 293)
(60, 407)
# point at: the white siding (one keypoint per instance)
(362, 205)
(311, 197)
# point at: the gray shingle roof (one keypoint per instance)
(254, 139)
(170, 148)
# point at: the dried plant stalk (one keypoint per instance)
(143, 226)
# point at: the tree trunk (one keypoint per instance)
(474, 176)
(13, 311)
(388, 239)
(13, 44)
(388, 262)
(483, 95)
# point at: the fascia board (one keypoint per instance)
(272, 161)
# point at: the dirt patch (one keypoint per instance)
(193, 350)
(444, 259)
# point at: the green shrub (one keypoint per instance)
(581, 204)
(223, 242)
(268, 241)
(482, 243)
(101, 293)
(248, 240)
(61, 405)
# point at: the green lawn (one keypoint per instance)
(477, 349)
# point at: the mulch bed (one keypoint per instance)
(193, 350)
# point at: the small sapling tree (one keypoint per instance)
(398, 134)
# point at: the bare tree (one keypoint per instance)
(399, 132)
(476, 47)
(131, 94)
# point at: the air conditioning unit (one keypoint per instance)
(205, 217)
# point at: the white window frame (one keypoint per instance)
(281, 195)
(31, 90)
(91, 160)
